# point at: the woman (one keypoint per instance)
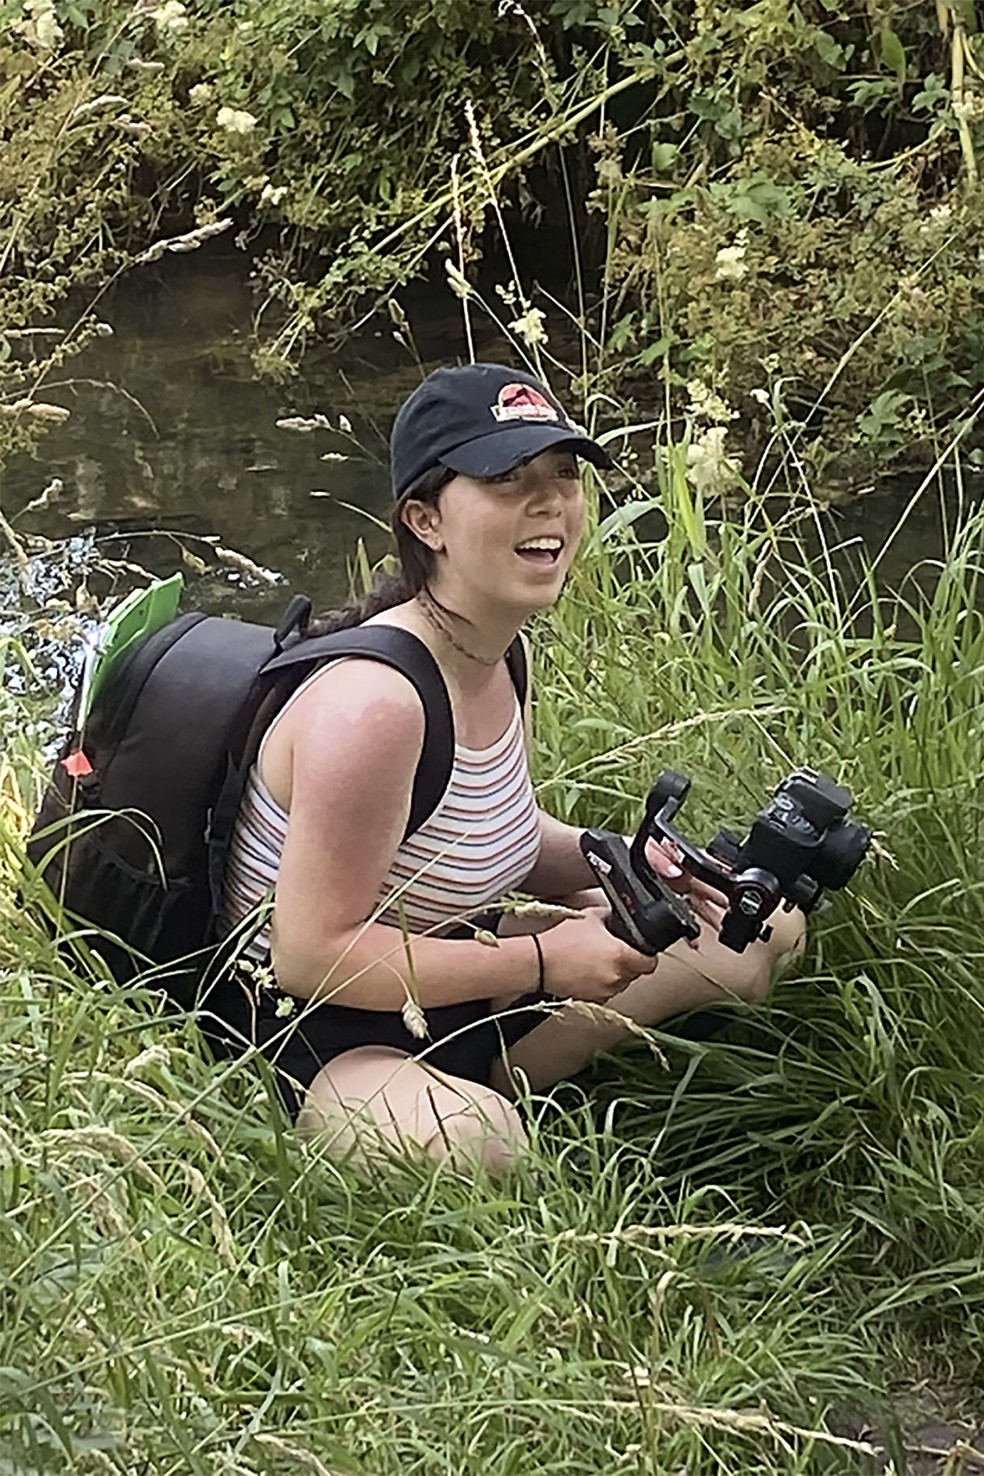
(489, 511)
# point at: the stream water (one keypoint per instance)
(172, 429)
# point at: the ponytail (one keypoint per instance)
(415, 558)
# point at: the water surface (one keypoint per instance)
(173, 429)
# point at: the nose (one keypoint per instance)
(546, 492)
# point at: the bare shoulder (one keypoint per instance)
(358, 688)
(356, 717)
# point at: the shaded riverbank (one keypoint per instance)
(172, 429)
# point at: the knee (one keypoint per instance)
(487, 1132)
(764, 963)
(788, 939)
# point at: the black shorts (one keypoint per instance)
(298, 1037)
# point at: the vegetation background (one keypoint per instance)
(761, 1253)
(757, 193)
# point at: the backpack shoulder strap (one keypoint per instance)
(519, 669)
(409, 656)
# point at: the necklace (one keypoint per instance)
(433, 613)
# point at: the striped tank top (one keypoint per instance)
(482, 841)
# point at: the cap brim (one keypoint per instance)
(491, 455)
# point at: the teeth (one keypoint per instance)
(552, 545)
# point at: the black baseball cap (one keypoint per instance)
(481, 420)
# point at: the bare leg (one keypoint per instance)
(685, 979)
(377, 1097)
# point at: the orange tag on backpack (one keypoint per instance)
(77, 766)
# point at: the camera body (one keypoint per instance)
(801, 843)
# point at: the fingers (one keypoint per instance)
(709, 908)
(636, 963)
(706, 900)
(706, 893)
(664, 858)
(631, 963)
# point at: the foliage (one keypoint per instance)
(802, 202)
(777, 192)
(733, 648)
(85, 184)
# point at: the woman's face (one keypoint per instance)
(509, 539)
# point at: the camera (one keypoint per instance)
(801, 843)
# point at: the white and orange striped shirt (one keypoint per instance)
(482, 841)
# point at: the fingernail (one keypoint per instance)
(674, 871)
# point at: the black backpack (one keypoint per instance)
(133, 833)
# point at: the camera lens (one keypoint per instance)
(844, 848)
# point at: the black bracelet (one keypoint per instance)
(541, 992)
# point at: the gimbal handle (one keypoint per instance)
(645, 912)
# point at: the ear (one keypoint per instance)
(424, 521)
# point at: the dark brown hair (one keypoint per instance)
(416, 562)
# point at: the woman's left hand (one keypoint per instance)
(707, 902)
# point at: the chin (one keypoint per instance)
(545, 600)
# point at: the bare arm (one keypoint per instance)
(355, 737)
(560, 868)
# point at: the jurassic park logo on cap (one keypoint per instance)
(523, 402)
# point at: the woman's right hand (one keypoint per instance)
(583, 960)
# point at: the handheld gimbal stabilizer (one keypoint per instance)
(800, 843)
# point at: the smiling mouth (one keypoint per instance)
(542, 551)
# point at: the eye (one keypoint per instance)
(504, 478)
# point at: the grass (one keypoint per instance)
(724, 1266)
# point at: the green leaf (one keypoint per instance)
(657, 350)
(829, 51)
(344, 82)
(892, 51)
(761, 200)
(933, 96)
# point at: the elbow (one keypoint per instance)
(303, 971)
(333, 970)
(291, 974)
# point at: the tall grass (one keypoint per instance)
(724, 1266)
(742, 646)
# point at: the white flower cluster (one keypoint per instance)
(709, 468)
(457, 281)
(235, 120)
(171, 16)
(706, 404)
(969, 109)
(40, 409)
(39, 26)
(939, 217)
(531, 327)
(730, 261)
